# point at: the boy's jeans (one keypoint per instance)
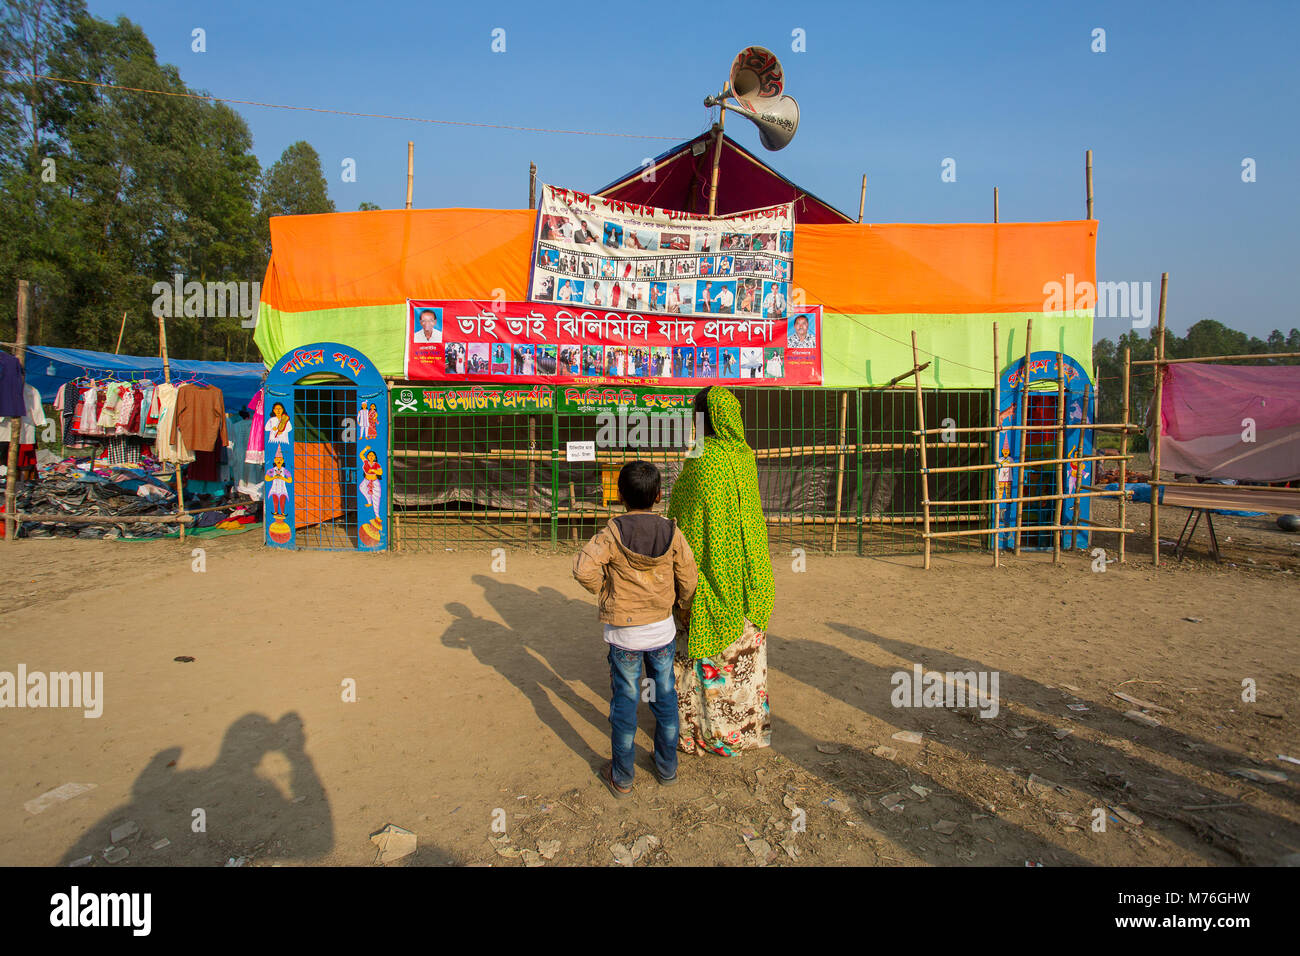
(625, 691)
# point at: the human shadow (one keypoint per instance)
(244, 814)
(535, 655)
(1103, 772)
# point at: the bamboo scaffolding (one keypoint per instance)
(1078, 478)
(1031, 464)
(1123, 450)
(970, 532)
(1060, 450)
(1024, 419)
(989, 501)
(925, 475)
(997, 437)
(1158, 400)
(985, 429)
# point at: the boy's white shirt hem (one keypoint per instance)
(642, 637)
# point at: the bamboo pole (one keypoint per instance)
(862, 198)
(532, 185)
(1060, 453)
(1032, 464)
(997, 436)
(995, 203)
(985, 429)
(167, 378)
(1078, 478)
(717, 159)
(925, 475)
(118, 347)
(989, 501)
(1123, 450)
(22, 319)
(971, 532)
(839, 470)
(1024, 411)
(1087, 176)
(1155, 432)
(1219, 358)
(410, 171)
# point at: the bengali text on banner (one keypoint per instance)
(485, 341)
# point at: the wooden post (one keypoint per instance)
(717, 159)
(532, 185)
(1078, 478)
(16, 424)
(1024, 435)
(1155, 432)
(1123, 450)
(839, 471)
(1087, 175)
(995, 203)
(532, 469)
(1060, 454)
(862, 199)
(167, 377)
(410, 171)
(920, 426)
(997, 435)
(118, 348)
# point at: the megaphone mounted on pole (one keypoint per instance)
(756, 85)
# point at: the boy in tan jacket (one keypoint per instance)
(640, 566)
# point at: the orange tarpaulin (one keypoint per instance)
(317, 484)
(341, 260)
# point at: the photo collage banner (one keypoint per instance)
(608, 254)
(489, 341)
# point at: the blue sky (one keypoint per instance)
(1011, 90)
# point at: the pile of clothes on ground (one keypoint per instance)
(67, 487)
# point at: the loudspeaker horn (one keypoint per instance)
(757, 87)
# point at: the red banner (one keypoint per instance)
(484, 341)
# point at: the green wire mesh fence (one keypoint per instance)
(839, 470)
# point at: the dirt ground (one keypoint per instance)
(481, 699)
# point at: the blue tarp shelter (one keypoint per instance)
(48, 368)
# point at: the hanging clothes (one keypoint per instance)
(170, 445)
(33, 417)
(256, 453)
(86, 417)
(12, 404)
(200, 417)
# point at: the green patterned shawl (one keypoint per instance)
(715, 502)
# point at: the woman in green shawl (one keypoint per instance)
(721, 661)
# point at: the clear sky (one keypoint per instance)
(1012, 91)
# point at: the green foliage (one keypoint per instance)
(141, 187)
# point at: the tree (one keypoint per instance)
(293, 186)
(366, 207)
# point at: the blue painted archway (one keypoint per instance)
(1080, 407)
(326, 448)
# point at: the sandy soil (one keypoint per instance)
(482, 697)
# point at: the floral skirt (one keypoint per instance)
(723, 699)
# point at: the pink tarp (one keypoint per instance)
(1231, 421)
